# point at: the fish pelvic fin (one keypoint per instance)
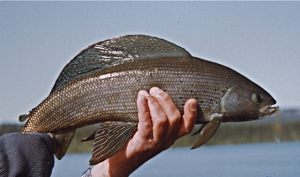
(90, 138)
(208, 130)
(62, 142)
(110, 138)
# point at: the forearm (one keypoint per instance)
(26, 154)
(119, 165)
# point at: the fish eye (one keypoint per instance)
(256, 98)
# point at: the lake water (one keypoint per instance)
(250, 160)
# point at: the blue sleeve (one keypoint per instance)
(28, 155)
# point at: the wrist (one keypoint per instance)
(118, 165)
(101, 170)
(109, 169)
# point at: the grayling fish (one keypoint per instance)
(105, 92)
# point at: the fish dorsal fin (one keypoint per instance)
(116, 51)
(208, 130)
(62, 141)
(110, 138)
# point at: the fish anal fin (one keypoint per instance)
(110, 138)
(208, 130)
(90, 138)
(62, 141)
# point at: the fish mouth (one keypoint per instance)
(268, 110)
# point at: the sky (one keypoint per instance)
(261, 40)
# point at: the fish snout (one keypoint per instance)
(268, 105)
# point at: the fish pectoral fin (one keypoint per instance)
(208, 130)
(62, 141)
(90, 138)
(110, 138)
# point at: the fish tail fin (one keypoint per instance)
(110, 137)
(62, 142)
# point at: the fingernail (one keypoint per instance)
(193, 106)
(143, 93)
(155, 91)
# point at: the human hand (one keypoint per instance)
(160, 124)
(26, 154)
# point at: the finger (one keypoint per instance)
(159, 120)
(189, 117)
(169, 107)
(145, 124)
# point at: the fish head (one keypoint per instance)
(247, 102)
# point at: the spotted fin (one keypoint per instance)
(62, 141)
(208, 130)
(110, 138)
(116, 51)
